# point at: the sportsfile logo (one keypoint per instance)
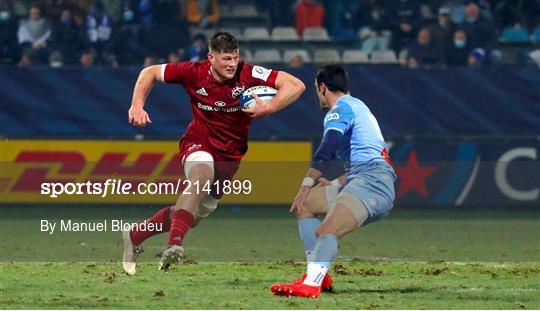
(112, 187)
(119, 187)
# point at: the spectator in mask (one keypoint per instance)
(127, 41)
(457, 55)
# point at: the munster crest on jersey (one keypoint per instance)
(237, 91)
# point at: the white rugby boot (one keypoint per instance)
(171, 255)
(131, 253)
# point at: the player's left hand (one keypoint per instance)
(260, 110)
(300, 200)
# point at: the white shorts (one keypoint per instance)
(208, 203)
(197, 157)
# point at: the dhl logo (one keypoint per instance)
(27, 164)
(32, 168)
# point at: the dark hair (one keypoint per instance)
(223, 42)
(334, 76)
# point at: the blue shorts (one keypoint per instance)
(373, 184)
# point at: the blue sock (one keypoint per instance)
(326, 250)
(306, 228)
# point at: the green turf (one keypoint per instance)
(263, 234)
(359, 285)
(423, 258)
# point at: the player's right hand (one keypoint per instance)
(300, 200)
(138, 117)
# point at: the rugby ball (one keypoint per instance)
(265, 93)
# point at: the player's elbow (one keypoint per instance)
(299, 86)
(153, 72)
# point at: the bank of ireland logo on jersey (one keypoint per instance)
(220, 103)
(237, 91)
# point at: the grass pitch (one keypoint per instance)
(358, 285)
(451, 259)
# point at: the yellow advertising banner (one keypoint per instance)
(139, 172)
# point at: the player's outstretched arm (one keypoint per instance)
(321, 159)
(289, 89)
(147, 78)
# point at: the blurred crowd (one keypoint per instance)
(126, 32)
(93, 32)
(445, 33)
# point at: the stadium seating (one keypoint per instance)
(344, 35)
(235, 31)
(514, 34)
(208, 33)
(246, 54)
(315, 34)
(267, 56)
(289, 54)
(384, 57)
(284, 34)
(327, 56)
(243, 10)
(256, 34)
(354, 57)
(535, 35)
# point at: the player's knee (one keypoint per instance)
(201, 173)
(323, 229)
(304, 213)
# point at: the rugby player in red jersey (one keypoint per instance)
(215, 140)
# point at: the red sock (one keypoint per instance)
(161, 217)
(181, 222)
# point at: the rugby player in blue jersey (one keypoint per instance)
(352, 136)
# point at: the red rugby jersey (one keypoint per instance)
(217, 117)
